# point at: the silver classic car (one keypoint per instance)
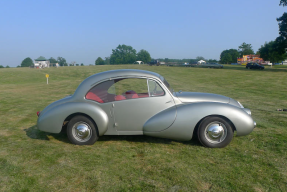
(138, 102)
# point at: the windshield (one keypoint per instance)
(167, 84)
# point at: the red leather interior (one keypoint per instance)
(134, 96)
(141, 95)
(93, 97)
(131, 94)
(119, 98)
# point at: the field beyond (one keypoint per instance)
(31, 160)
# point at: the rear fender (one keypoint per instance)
(52, 119)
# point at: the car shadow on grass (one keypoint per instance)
(146, 139)
(34, 133)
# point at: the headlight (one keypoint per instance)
(240, 104)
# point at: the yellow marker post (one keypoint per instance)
(47, 76)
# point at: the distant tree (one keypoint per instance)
(62, 61)
(200, 58)
(18, 66)
(99, 61)
(107, 60)
(7, 66)
(82, 64)
(245, 49)
(282, 22)
(73, 63)
(1, 66)
(144, 56)
(53, 60)
(232, 52)
(226, 58)
(273, 52)
(212, 61)
(27, 62)
(166, 60)
(77, 64)
(123, 54)
(283, 2)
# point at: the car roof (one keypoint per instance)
(89, 82)
(125, 72)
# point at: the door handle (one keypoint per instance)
(168, 101)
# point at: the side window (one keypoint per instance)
(155, 89)
(102, 93)
(118, 89)
(130, 88)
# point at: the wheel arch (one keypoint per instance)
(71, 116)
(214, 115)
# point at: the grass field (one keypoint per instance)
(31, 160)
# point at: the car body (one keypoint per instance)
(138, 102)
(254, 66)
(211, 65)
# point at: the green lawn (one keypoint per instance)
(31, 160)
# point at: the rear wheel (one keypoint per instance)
(215, 132)
(82, 131)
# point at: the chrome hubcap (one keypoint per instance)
(82, 131)
(215, 132)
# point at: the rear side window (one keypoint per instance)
(102, 93)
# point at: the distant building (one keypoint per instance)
(41, 62)
(284, 62)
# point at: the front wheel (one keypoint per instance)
(215, 132)
(82, 131)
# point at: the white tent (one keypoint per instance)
(139, 62)
(201, 62)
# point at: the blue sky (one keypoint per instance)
(83, 30)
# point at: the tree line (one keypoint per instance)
(124, 54)
(1, 66)
(273, 51)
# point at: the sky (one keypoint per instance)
(83, 30)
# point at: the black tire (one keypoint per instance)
(82, 131)
(218, 138)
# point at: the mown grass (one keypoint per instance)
(31, 160)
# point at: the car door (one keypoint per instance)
(140, 99)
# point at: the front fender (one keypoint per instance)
(52, 119)
(190, 114)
